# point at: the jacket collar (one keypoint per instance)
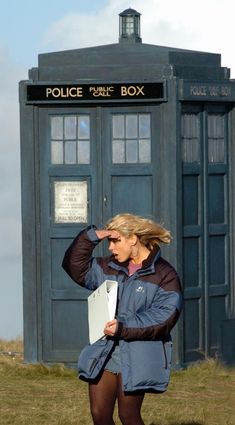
(148, 265)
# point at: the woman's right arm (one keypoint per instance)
(78, 261)
(78, 258)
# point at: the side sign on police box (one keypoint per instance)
(94, 92)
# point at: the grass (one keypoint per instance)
(202, 394)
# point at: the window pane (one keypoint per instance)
(144, 126)
(215, 126)
(118, 151)
(118, 126)
(84, 127)
(57, 128)
(131, 126)
(83, 152)
(70, 152)
(144, 151)
(216, 145)
(216, 151)
(129, 24)
(190, 130)
(70, 124)
(56, 152)
(190, 126)
(190, 150)
(132, 151)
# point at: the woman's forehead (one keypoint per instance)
(112, 239)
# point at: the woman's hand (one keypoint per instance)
(111, 327)
(102, 234)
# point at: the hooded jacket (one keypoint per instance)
(149, 305)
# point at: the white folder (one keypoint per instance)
(101, 308)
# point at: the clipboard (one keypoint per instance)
(101, 308)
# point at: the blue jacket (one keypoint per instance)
(149, 305)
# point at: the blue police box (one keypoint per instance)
(127, 127)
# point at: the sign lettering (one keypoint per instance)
(94, 92)
(207, 91)
(70, 202)
(213, 91)
(63, 92)
(132, 91)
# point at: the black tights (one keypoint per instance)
(103, 395)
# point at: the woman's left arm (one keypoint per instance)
(157, 321)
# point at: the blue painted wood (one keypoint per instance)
(205, 242)
(29, 234)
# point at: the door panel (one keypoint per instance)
(205, 228)
(66, 315)
(90, 169)
(132, 194)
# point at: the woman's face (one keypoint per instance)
(121, 247)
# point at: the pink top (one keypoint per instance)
(132, 267)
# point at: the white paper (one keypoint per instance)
(101, 308)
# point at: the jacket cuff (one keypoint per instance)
(92, 234)
(119, 330)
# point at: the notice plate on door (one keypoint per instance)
(70, 202)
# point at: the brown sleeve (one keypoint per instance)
(78, 257)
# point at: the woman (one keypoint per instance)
(135, 356)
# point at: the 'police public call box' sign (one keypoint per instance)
(94, 92)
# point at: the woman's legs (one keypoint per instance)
(129, 405)
(102, 396)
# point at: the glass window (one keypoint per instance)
(70, 124)
(70, 152)
(84, 127)
(144, 126)
(131, 138)
(144, 150)
(70, 139)
(57, 128)
(83, 152)
(216, 145)
(131, 151)
(56, 152)
(190, 133)
(131, 126)
(118, 151)
(129, 24)
(118, 127)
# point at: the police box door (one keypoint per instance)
(94, 162)
(206, 245)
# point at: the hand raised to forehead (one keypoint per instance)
(102, 234)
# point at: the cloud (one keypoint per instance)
(10, 217)
(78, 31)
(10, 155)
(200, 26)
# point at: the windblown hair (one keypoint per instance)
(148, 232)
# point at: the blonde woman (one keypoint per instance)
(135, 356)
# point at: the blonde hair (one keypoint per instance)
(148, 232)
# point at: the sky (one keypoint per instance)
(28, 29)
